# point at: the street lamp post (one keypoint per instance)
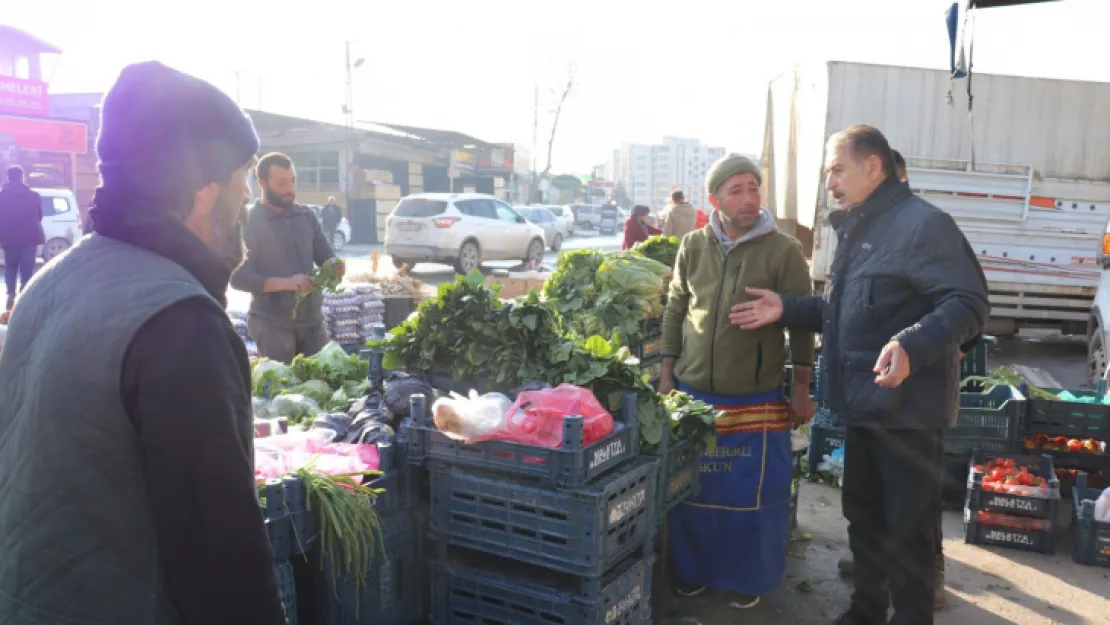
(348, 111)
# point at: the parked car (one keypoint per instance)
(342, 232)
(586, 215)
(609, 222)
(59, 221)
(461, 229)
(552, 226)
(566, 215)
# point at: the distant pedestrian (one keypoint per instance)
(681, 218)
(636, 228)
(20, 231)
(330, 216)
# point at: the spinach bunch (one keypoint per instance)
(691, 418)
(325, 278)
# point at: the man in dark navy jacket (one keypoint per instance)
(905, 291)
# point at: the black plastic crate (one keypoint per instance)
(974, 363)
(1092, 538)
(679, 474)
(287, 589)
(977, 533)
(991, 421)
(1067, 418)
(1010, 503)
(581, 531)
(389, 594)
(822, 442)
(470, 587)
(650, 350)
(573, 464)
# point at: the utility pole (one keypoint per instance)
(237, 91)
(532, 188)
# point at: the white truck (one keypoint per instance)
(1027, 178)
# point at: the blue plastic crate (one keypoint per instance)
(679, 474)
(486, 589)
(571, 465)
(822, 442)
(287, 588)
(992, 421)
(581, 531)
(1092, 538)
(389, 595)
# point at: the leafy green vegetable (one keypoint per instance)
(350, 530)
(331, 365)
(1005, 376)
(469, 333)
(325, 278)
(316, 390)
(658, 248)
(270, 377)
(692, 418)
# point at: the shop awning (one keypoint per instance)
(25, 42)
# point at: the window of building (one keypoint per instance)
(316, 170)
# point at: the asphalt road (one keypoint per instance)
(432, 274)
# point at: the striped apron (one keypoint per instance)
(733, 536)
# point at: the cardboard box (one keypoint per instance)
(518, 284)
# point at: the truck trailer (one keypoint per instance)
(1027, 178)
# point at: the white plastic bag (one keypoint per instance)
(1102, 507)
(464, 418)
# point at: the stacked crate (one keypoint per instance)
(1092, 537)
(650, 350)
(536, 535)
(1011, 513)
(1075, 433)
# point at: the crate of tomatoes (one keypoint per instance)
(985, 527)
(1082, 453)
(1020, 485)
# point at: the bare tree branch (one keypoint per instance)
(537, 178)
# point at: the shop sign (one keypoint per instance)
(461, 160)
(23, 97)
(45, 135)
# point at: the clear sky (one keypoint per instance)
(645, 69)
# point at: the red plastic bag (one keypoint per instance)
(276, 456)
(537, 417)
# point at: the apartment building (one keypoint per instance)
(649, 173)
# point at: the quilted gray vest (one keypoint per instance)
(77, 542)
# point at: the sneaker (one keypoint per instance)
(739, 601)
(847, 565)
(688, 590)
(940, 599)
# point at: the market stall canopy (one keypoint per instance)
(448, 138)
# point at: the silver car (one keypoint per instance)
(564, 213)
(553, 226)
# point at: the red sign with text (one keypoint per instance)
(44, 135)
(23, 97)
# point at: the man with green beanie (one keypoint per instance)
(733, 536)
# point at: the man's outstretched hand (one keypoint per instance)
(764, 310)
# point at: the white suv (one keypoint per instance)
(461, 229)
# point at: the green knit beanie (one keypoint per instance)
(727, 167)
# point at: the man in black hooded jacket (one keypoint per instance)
(20, 230)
